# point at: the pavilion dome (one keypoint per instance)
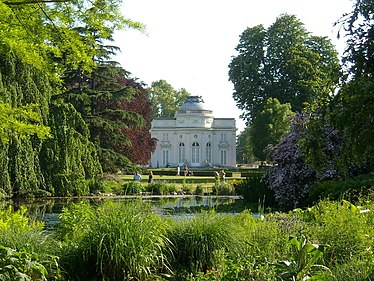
(194, 103)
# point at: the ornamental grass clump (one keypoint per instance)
(114, 241)
(197, 240)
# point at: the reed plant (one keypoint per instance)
(116, 241)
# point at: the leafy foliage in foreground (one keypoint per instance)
(26, 252)
(304, 260)
(127, 241)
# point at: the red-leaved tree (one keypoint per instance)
(142, 145)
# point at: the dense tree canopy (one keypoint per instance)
(101, 98)
(283, 62)
(165, 99)
(22, 121)
(54, 65)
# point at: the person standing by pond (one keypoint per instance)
(137, 176)
(150, 177)
(216, 179)
(222, 175)
(216, 176)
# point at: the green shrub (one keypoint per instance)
(133, 187)
(199, 190)
(255, 189)
(186, 188)
(96, 186)
(172, 188)
(224, 188)
(158, 188)
(350, 189)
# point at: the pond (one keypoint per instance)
(48, 209)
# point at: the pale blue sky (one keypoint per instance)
(189, 43)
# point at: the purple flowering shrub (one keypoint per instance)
(292, 175)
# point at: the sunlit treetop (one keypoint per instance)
(49, 34)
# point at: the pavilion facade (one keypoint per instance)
(194, 138)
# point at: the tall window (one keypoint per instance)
(181, 153)
(223, 156)
(195, 153)
(223, 137)
(165, 136)
(165, 157)
(209, 152)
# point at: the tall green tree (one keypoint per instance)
(102, 98)
(283, 62)
(269, 126)
(353, 107)
(351, 111)
(165, 99)
(244, 153)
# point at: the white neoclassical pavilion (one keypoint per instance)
(194, 137)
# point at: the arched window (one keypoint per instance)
(195, 153)
(209, 152)
(181, 153)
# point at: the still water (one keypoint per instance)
(49, 209)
